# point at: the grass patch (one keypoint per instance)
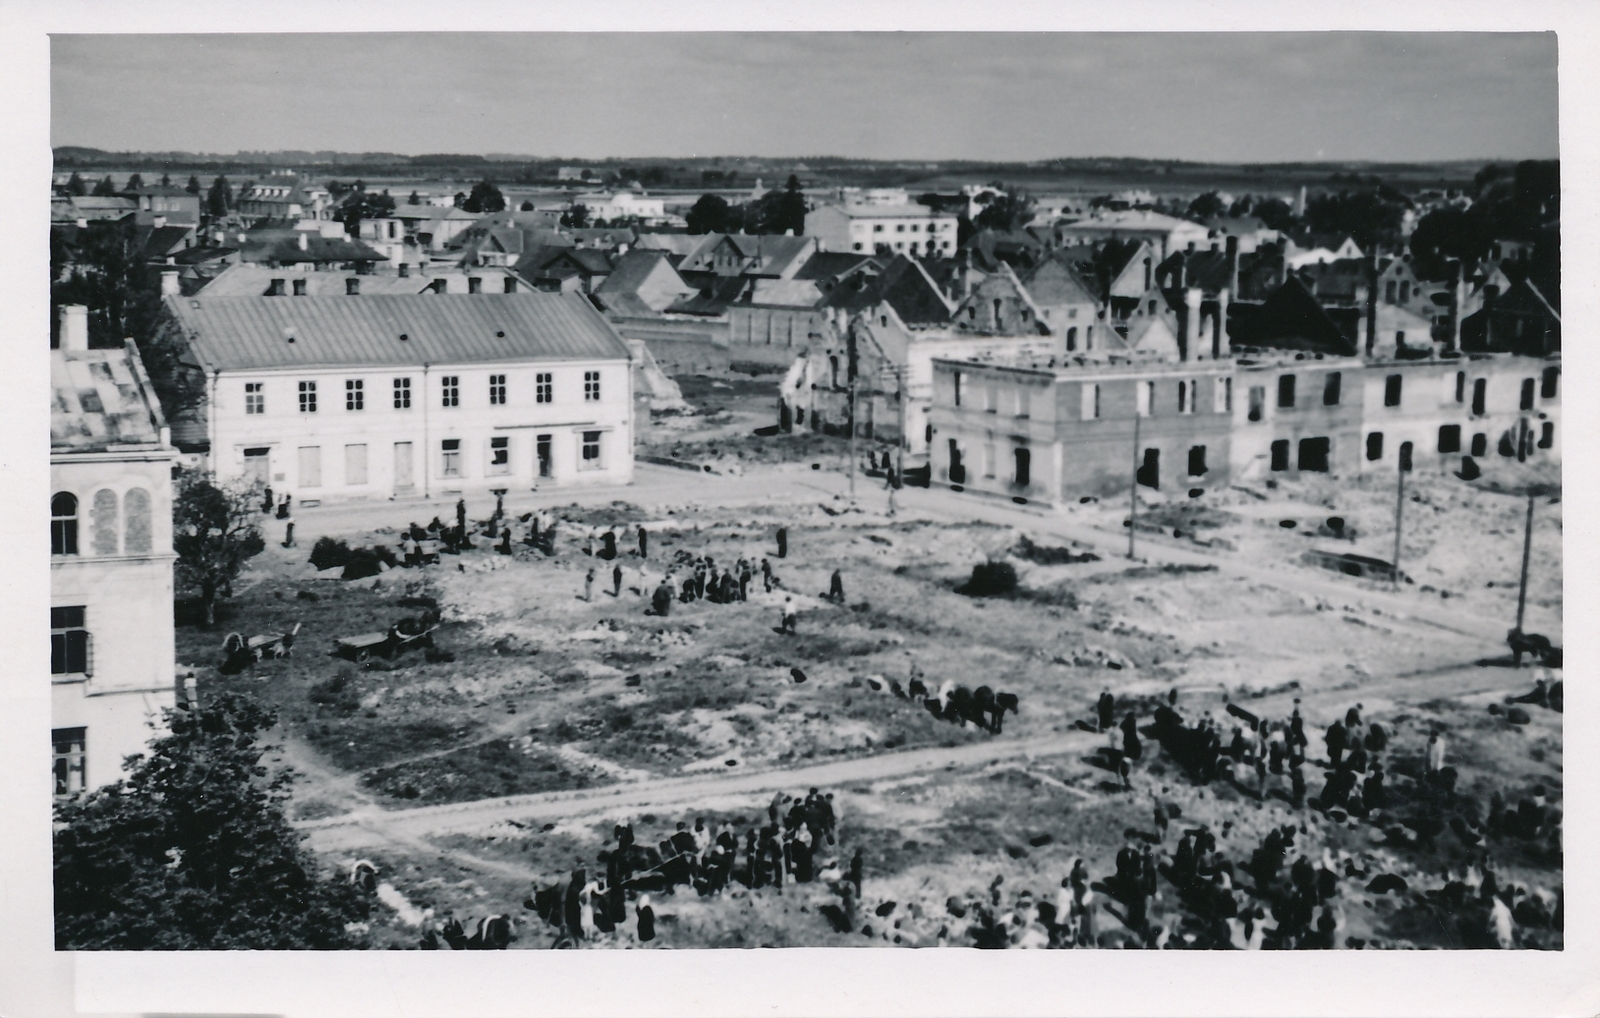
(489, 769)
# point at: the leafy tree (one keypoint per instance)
(1276, 214)
(415, 199)
(778, 211)
(485, 197)
(166, 179)
(134, 183)
(75, 185)
(1364, 215)
(713, 214)
(1207, 205)
(193, 187)
(106, 188)
(526, 206)
(576, 217)
(460, 199)
(220, 198)
(1241, 206)
(1009, 210)
(363, 205)
(214, 532)
(180, 386)
(194, 851)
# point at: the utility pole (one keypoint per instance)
(1133, 488)
(1399, 507)
(852, 419)
(900, 444)
(1527, 549)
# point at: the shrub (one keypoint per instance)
(327, 553)
(991, 578)
(363, 562)
(335, 693)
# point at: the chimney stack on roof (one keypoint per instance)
(404, 270)
(1220, 344)
(304, 244)
(169, 283)
(299, 287)
(74, 327)
(1191, 321)
(275, 288)
(1232, 250)
(352, 286)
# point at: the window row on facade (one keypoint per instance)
(497, 456)
(1289, 394)
(313, 395)
(116, 526)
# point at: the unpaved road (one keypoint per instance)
(371, 826)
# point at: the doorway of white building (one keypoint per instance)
(257, 466)
(404, 481)
(542, 446)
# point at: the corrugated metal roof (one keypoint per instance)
(100, 399)
(244, 333)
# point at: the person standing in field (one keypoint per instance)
(644, 543)
(588, 586)
(783, 542)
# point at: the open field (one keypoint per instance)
(500, 761)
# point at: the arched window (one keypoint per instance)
(1072, 339)
(64, 524)
(103, 522)
(136, 506)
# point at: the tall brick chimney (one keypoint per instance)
(1191, 321)
(1220, 344)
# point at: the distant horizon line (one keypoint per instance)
(242, 155)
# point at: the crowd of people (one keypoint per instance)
(797, 844)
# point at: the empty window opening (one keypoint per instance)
(1480, 395)
(1280, 454)
(1024, 477)
(1391, 390)
(1374, 445)
(1149, 472)
(1285, 391)
(1480, 444)
(1330, 388)
(1197, 460)
(1314, 455)
(1449, 438)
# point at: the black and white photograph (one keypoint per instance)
(522, 490)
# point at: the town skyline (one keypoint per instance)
(1199, 97)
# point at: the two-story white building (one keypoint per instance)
(883, 229)
(111, 561)
(412, 395)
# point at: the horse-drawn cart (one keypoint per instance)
(242, 652)
(403, 634)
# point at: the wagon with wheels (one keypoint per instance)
(244, 651)
(403, 634)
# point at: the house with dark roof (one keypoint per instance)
(172, 205)
(566, 269)
(398, 395)
(1520, 321)
(642, 284)
(1065, 293)
(111, 560)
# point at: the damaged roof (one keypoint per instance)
(101, 399)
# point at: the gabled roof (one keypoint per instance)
(1058, 279)
(904, 285)
(160, 241)
(245, 333)
(101, 399)
(1291, 319)
(789, 293)
(1209, 270)
(586, 261)
(676, 243)
(829, 265)
(633, 269)
(1339, 281)
(255, 280)
(764, 254)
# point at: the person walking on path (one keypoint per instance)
(588, 586)
(766, 575)
(836, 587)
(1106, 706)
(789, 619)
(783, 542)
(644, 543)
(857, 865)
(616, 580)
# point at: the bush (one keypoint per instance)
(363, 562)
(327, 553)
(990, 578)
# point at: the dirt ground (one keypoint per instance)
(534, 691)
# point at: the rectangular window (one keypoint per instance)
(542, 445)
(1314, 455)
(1222, 396)
(1285, 391)
(1183, 397)
(1450, 438)
(1258, 402)
(255, 400)
(500, 454)
(308, 397)
(1547, 435)
(402, 394)
(1280, 454)
(450, 462)
(1548, 382)
(1391, 390)
(591, 386)
(1197, 460)
(497, 390)
(1090, 408)
(543, 387)
(355, 396)
(310, 466)
(69, 642)
(355, 464)
(1461, 386)
(1527, 394)
(69, 760)
(1480, 397)
(956, 376)
(1330, 388)
(450, 390)
(1388, 292)
(1480, 444)
(1374, 445)
(591, 451)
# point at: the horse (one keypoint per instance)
(1004, 702)
(960, 708)
(916, 689)
(1528, 643)
(493, 934)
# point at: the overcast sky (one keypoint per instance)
(1213, 97)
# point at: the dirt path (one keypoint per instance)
(372, 825)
